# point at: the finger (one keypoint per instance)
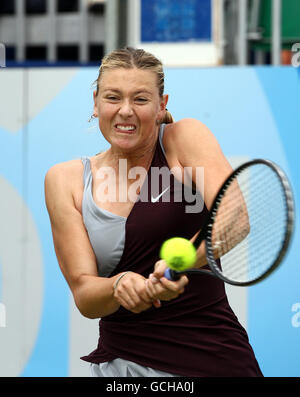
(153, 279)
(159, 263)
(161, 292)
(141, 297)
(139, 301)
(157, 303)
(143, 292)
(154, 288)
(164, 289)
(133, 288)
(159, 269)
(124, 302)
(174, 285)
(150, 288)
(126, 293)
(152, 293)
(130, 305)
(132, 295)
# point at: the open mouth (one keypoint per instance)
(125, 128)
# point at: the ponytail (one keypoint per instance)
(168, 118)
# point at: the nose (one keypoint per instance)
(125, 110)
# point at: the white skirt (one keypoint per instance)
(124, 368)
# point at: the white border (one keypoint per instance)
(180, 54)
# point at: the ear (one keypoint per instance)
(164, 102)
(95, 112)
(162, 106)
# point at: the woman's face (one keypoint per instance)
(128, 106)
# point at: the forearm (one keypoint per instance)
(226, 235)
(201, 256)
(94, 296)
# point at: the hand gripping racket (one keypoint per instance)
(249, 226)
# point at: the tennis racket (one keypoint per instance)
(249, 227)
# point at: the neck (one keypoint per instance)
(139, 157)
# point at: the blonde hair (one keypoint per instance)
(129, 58)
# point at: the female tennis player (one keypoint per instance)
(110, 214)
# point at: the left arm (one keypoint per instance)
(189, 143)
(193, 145)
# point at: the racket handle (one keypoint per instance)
(171, 275)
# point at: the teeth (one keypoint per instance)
(126, 127)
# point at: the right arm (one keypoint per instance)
(94, 296)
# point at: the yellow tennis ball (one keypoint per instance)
(179, 253)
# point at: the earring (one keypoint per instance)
(91, 118)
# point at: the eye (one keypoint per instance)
(112, 98)
(141, 100)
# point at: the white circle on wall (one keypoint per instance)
(21, 280)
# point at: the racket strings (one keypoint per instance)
(221, 233)
(250, 223)
(258, 264)
(233, 194)
(235, 269)
(260, 235)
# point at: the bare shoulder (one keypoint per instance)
(64, 171)
(190, 143)
(190, 136)
(63, 181)
(66, 176)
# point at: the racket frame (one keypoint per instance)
(206, 231)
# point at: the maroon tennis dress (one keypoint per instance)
(196, 334)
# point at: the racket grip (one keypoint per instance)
(171, 275)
